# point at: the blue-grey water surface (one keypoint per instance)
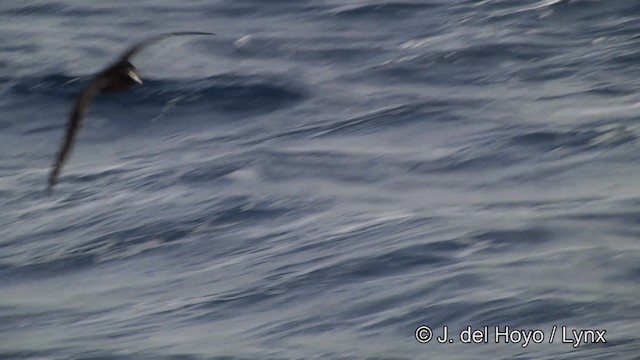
(321, 179)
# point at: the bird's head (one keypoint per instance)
(121, 77)
(129, 72)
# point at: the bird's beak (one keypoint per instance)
(134, 76)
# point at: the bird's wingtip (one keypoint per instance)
(191, 33)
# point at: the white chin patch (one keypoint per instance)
(134, 76)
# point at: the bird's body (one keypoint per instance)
(122, 76)
(118, 77)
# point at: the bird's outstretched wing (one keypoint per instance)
(73, 125)
(139, 46)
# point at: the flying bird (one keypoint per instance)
(117, 77)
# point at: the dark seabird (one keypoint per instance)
(118, 77)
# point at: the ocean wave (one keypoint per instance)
(57, 9)
(232, 93)
(391, 9)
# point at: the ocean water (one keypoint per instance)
(321, 179)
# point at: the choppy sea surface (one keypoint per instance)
(321, 179)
